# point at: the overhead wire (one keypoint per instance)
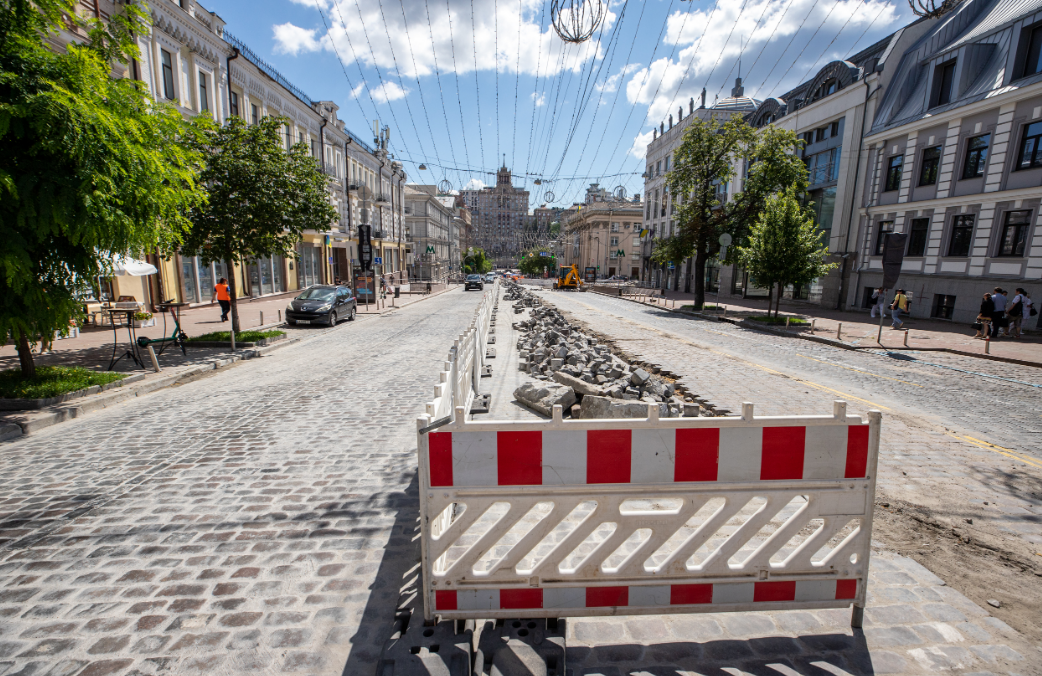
(805, 45)
(727, 78)
(788, 44)
(343, 66)
(459, 101)
(477, 87)
(535, 92)
(517, 80)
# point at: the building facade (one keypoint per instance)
(433, 233)
(499, 215)
(604, 234)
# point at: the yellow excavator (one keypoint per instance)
(568, 278)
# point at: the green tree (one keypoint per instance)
(91, 166)
(262, 197)
(704, 161)
(533, 261)
(784, 246)
(476, 262)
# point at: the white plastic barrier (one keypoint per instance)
(615, 517)
(458, 381)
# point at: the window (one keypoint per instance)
(917, 237)
(893, 173)
(976, 156)
(204, 101)
(1030, 154)
(233, 103)
(300, 137)
(658, 168)
(667, 163)
(943, 79)
(931, 161)
(254, 113)
(289, 136)
(834, 129)
(820, 134)
(1015, 233)
(943, 306)
(962, 235)
(168, 74)
(1033, 62)
(885, 228)
(614, 241)
(614, 227)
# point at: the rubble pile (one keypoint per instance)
(584, 376)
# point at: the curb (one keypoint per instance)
(14, 429)
(831, 341)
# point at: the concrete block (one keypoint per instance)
(521, 648)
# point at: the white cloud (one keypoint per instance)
(459, 40)
(540, 99)
(382, 93)
(474, 184)
(290, 39)
(612, 83)
(762, 31)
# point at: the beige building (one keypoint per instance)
(499, 214)
(604, 234)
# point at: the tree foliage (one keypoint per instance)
(702, 162)
(262, 197)
(534, 260)
(91, 166)
(784, 246)
(476, 262)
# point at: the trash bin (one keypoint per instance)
(397, 291)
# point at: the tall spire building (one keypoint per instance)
(499, 215)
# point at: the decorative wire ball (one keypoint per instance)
(932, 8)
(549, 196)
(444, 185)
(620, 193)
(576, 20)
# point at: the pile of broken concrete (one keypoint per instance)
(584, 376)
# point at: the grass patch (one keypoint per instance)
(51, 381)
(240, 337)
(691, 308)
(793, 321)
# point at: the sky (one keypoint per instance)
(466, 85)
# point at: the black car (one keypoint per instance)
(322, 304)
(474, 282)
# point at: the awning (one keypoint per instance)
(126, 266)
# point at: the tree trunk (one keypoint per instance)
(777, 303)
(700, 277)
(232, 293)
(687, 277)
(770, 299)
(25, 356)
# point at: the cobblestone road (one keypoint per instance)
(258, 520)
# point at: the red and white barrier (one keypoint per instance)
(676, 515)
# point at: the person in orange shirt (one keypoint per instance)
(220, 292)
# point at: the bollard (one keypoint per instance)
(152, 356)
(839, 331)
(231, 332)
(786, 322)
(906, 337)
(987, 345)
(262, 318)
(812, 325)
(280, 316)
(725, 311)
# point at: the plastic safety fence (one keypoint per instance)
(611, 517)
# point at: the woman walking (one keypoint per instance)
(987, 308)
(221, 293)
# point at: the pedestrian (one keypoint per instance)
(878, 302)
(1015, 312)
(899, 305)
(987, 309)
(336, 281)
(998, 317)
(223, 296)
(1029, 306)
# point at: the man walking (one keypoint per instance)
(220, 292)
(998, 318)
(1016, 314)
(878, 301)
(900, 305)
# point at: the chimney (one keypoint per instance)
(738, 90)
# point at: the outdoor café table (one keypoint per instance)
(128, 314)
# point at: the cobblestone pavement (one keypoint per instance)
(260, 519)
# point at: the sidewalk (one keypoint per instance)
(860, 330)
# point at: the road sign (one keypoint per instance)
(430, 248)
(378, 260)
(365, 247)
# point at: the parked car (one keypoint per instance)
(322, 304)
(490, 277)
(474, 282)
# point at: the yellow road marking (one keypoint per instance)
(1008, 452)
(849, 368)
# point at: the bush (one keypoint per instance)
(142, 316)
(51, 381)
(241, 337)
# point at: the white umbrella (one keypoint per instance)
(125, 265)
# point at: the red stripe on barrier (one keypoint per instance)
(697, 455)
(519, 458)
(601, 597)
(445, 599)
(608, 457)
(846, 589)
(857, 452)
(439, 457)
(782, 454)
(774, 591)
(690, 594)
(520, 599)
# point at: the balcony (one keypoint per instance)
(382, 198)
(379, 234)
